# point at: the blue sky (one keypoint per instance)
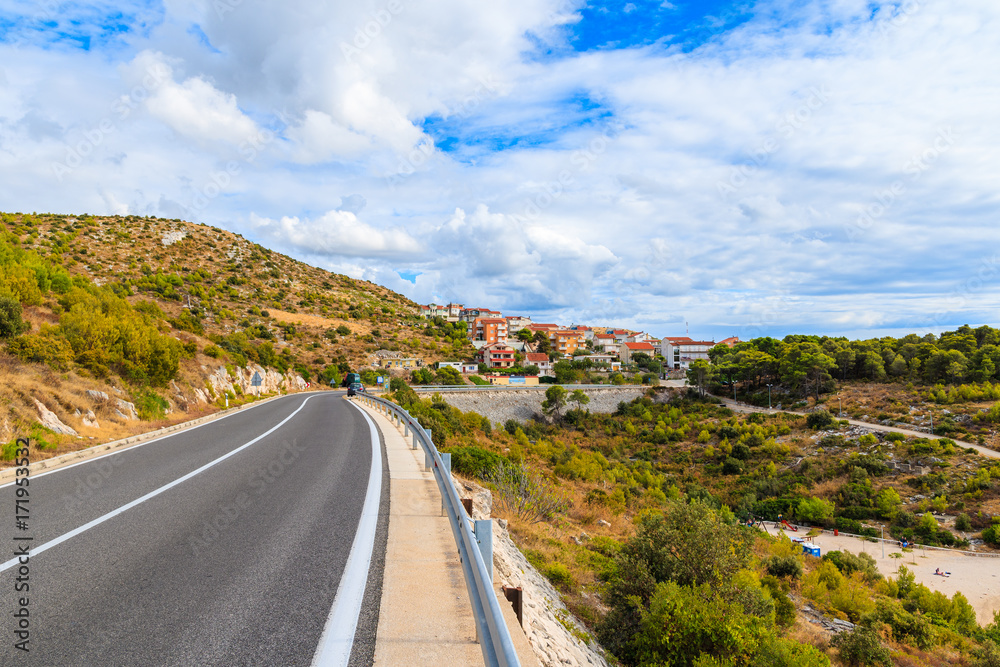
(756, 168)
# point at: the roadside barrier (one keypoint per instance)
(476, 554)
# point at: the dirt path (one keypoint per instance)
(976, 577)
(745, 408)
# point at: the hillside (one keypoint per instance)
(638, 519)
(172, 317)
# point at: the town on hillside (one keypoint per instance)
(514, 350)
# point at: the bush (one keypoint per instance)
(815, 510)
(10, 317)
(732, 466)
(559, 575)
(523, 493)
(150, 406)
(784, 566)
(862, 647)
(819, 420)
(963, 522)
(474, 461)
(849, 563)
(46, 347)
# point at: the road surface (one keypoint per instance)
(230, 549)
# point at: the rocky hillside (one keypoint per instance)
(170, 318)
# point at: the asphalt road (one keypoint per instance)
(239, 564)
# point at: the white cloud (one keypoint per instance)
(761, 182)
(337, 233)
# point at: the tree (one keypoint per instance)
(10, 317)
(524, 335)
(898, 367)
(555, 400)
(699, 372)
(806, 365)
(579, 396)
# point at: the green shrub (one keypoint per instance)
(150, 406)
(784, 566)
(819, 420)
(963, 522)
(474, 461)
(11, 323)
(46, 347)
(849, 563)
(559, 575)
(862, 647)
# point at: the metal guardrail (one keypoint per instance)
(494, 636)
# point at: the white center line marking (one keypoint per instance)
(152, 494)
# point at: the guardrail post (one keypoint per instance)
(446, 465)
(484, 538)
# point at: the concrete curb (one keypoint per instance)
(56, 462)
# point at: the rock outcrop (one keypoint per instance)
(272, 382)
(51, 421)
(546, 620)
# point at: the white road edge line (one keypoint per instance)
(337, 640)
(152, 494)
(136, 446)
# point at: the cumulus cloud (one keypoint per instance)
(822, 166)
(337, 233)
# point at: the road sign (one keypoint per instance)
(380, 379)
(256, 381)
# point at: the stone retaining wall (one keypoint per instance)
(522, 405)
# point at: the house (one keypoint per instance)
(731, 341)
(450, 312)
(541, 360)
(680, 351)
(470, 315)
(457, 365)
(588, 333)
(497, 355)
(629, 349)
(516, 323)
(489, 329)
(566, 341)
(639, 337)
(602, 358)
(469, 367)
(621, 335)
(606, 343)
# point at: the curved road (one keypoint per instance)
(231, 553)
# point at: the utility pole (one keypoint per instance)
(768, 397)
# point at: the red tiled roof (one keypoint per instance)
(639, 346)
(536, 356)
